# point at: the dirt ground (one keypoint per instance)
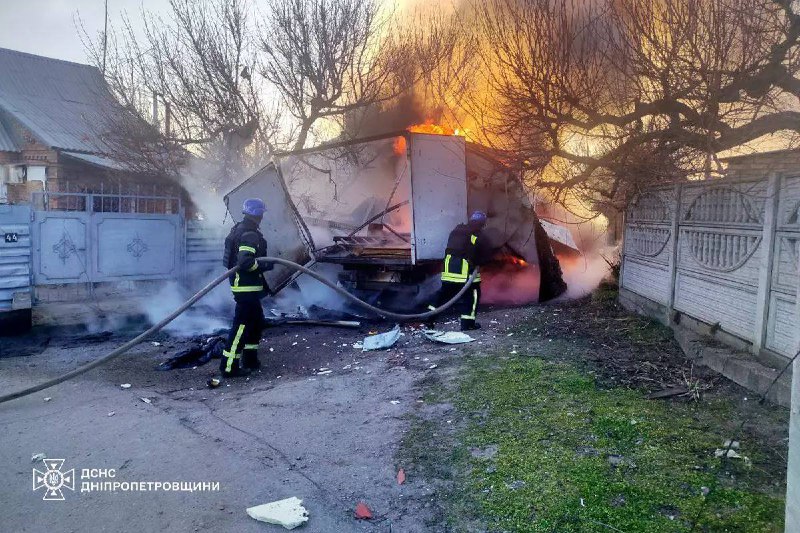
(333, 439)
(330, 440)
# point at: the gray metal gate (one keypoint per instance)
(15, 257)
(87, 238)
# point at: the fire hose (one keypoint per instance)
(205, 290)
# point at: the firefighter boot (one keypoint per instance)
(229, 365)
(250, 359)
(468, 324)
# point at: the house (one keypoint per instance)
(763, 163)
(54, 119)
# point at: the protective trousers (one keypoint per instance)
(466, 306)
(243, 339)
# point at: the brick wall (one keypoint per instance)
(786, 162)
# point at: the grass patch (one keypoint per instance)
(572, 457)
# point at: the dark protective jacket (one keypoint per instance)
(242, 246)
(465, 250)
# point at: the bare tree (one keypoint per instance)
(328, 58)
(588, 95)
(199, 65)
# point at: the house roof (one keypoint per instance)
(96, 160)
(7, 143)
(63, 104)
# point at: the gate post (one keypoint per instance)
(673, 257)
(793, 469)
(765, 270)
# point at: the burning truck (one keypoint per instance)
(380, 209)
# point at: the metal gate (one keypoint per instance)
(80, 238)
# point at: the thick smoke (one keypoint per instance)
(213, 312)
(307, 292)
(209, 315)
(583, 274)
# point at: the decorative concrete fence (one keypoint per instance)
(722, 253)
(725, 254)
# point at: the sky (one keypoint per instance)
(47, 27)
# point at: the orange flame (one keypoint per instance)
(428, 127)
(511, 259)
(399, 146)
(434, 129)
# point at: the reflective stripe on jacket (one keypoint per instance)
(462, 255)
(244, 244)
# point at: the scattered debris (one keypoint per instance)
(363, 512)
(288, 513)
(126, 385)
(38, 457)
(619, 460)
(586, 451)
(448, 337)
(667, 393)
(382, 340)
(728, 450)
(515, 485)
(358, 346)
(401, 476)
(200, 353)
(729, 453)
(487, 452)
(146, 400)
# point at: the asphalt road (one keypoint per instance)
(329, 440)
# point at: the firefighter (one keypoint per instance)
(242, 246)
(466, 249)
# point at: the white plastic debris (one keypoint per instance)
(146, 400)
(358, 346)
(47, 399)
(111, 413)
(324, 372)
(448, 337)
(288, 513)
(155, 343)
(394, 402)
(382, 340)
(126, 385)
(731, 454)
(38, 457)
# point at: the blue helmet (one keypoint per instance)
(254, 207)
(478, 217)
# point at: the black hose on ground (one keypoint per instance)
(205, 290)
